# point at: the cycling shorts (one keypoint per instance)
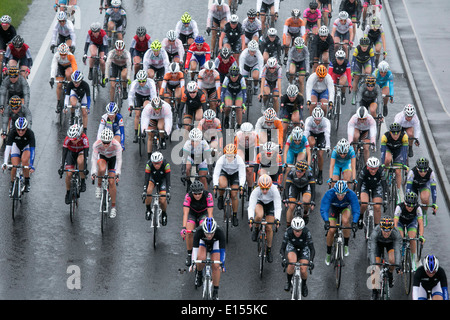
(320, 95)
(341, 167)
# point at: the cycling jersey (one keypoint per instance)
(295, 57)
(82, 145)
(272, 76)
(233, 35)
(368, 124)
(272, 196)
(202, 54)
(273, 48)
(313, 83)
(302, 243)
(311, 128)
(147, 90)
(101, 41)
(246, 140)
(82, 93)
(149, 113)
(342, 163)
(6, 36)
(214, 125)
(367, 181)
(214, 245)
(234, 88)
(297, 148)
(68, 60)
(8, 114)
(18, 88)
(171, 81)
(268, 3)
(65, 30)
(251, 27)
(157, 61)
(374, 35)
(290, 106)
(353, 9)
(191, 152)
(191, 29)
(294, 27)
(138, 47)
(193, 104)
(23, 55)
(363, 57)
(230, 168)
(218, 15)
(209, 80)
(331, 200)
(319, 46)
(175, 48)
(404, 216)
(377, 242)
(312, 17)
(416, 183)
(272, 165)
(369, 96)
(161, 175)
(117, 126)
(249, 62)
(222, 67)
(199, 207)
(123, 60)
(306, 182)
(414, 123)
(276, 125)
(386, 81)
(23, 143)
(436, 285)
(112, 150)
(398, 148)
(119, 17)
(342, 28)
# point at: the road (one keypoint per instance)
(40, 248)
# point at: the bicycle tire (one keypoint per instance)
(140, 139)
(227, 216)
(207, 288)
(337, 114)
(118, 97)
(15, 197)
(244, 195)
(338, 266)
(104, 211)
(94, 83)
(385, 288)
(73, 204)
(296, 288)
(394, 195)
(407, 271)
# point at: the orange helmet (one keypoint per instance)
(265, 181)
(321, 71)
(230, 149)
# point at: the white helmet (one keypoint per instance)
(272, 32)
(171, 35)
(340, 54)
(74, 131)
(156, 157)
(317, 113)
(218, 2)
(195, 134)
(61, 16)
(299, 42)
(209, 65)
(297, 223)
(297, 133)
(383, 66)
(343, 15)
(112, 108)
(107, 135)
(272, 62)
(116, 3)
(373, 162)
(292, 90)
(156, 102)
(234, 18)
(119, 45)
(209, 114)
(246, 127)
(343, 146)
(192, 86)
(362, 113)
(253, 45)
(269, 146)
(323, 31)
(141, 75)
(174, 67)
(409, 110)
(63, 48)
(270, 114)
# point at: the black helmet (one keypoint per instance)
(395, 127)
(197, 187)
(422, 163)
(364, 41)
(234, 71)
(141, 31)
(313, 5)
(225, 53)
(251, 13)
(17, 41)
(411, 198)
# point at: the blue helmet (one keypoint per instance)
(209, 225)
(431, 263)
(77, 76)
(199, 39)
(21, 123)
(112, 108)
(341, 186)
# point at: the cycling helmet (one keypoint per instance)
(292, 90)
(301, 165)
(234, 18)
(63, 48)
(411, 198)
(265, 181)
(297, 223)
(141, 31)
(321, 71)
(253, 45)
(119, 45)
(343, 146)
(295, 13)
(251, 13)
(209, 225)
(272, 32)
(156, 45)
(230, 149)
(141, 75)
(299, 42)
(13, 71)
(197, 187)
(431, 263)
(297, 133)
(395, 127)
(77, 76)
(370, 80)
(272, 62)
(270, 114)
(171, 35)
(234, 71)
(195, 134)
(174, 67)
(269, 147)
(324, 31)
(313, 5)
(112, 108)
(156, 103)
(409, 110)
(340, 54)
(5, 19)
(375, 23)
(218, 2)
(21, 123)
(17, 41)
(209, 115)
(386, 223)
(364, 41)
(15, 102)
(61, 16)
(317, 113)
(199, 39)
(116, 3)
(74, 131)
(422, 163)
(186, 18)
(383, 66)
(225, 53)
(373, 162)
(246, 127)
(96, 26)
(343, 15)
(192, 86)
(107, 135)
(157, 157)
(362, 113)
(209, 65)
(341, 187)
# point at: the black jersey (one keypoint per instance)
(299, 243)
(428, 283)
(80, 91)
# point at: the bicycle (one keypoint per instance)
(406, 267)
(104, 200)
(96, 81)
(157, 144)
(175, 105)
(61, 98)
(231, 118)
(140, 135)
(113, 38)
(250, 91)
(384, 279)
(269, 21)
(297, 279)
(368, 218)
(195, 176)
(392, 184)
(215, 49)
(118, 94)
(227, 208)
(18, 187)
(75, 186)
(75, 117)
(335, 112)
(234, 6)
(155, 212)
(269, 102)
(359, 151)
(207, 276)
(315, 161)
(261, 243)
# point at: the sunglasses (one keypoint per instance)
(386, 229)
(21, 130)
(197, 193)
(13, 77)
(298, 47)
(411, 205)
(422, 170)
(142, 81)
(340, 194)
(106, 143)
(395, 132)
(15, 108)
(265, 188)
(370, 85)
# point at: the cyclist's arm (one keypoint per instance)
(167, 171)
(325, 205)
(355, 205)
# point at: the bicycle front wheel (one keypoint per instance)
(15, 197)
(104, 210)
(73, 204)
(338, 266)
(407, 271)
(296, 295)
(337, 111)
(262, 255)
(155, 225)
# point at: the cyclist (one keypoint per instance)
(343, 32)
(430, 277)
(232, 36)
(294, 27)
(229, 171)
(186, 30)
(97, 43)
(340, 71)
(269, 162)
(362, 63)
(247, 143)
(339, 200)
(115, 18)
(197, 152)
(422, 181)
(322, 47)
(173, 83)
(385, 236)
(354, 10)
(13, 85)
(209, 238)
(62, 3)
(63, 32)
(320, 88)
(263, 7)
(362, 127)
(271, 82)
(142, 91)
(300, 181)
(269, 128)
(173, 46)
(157, 115)
(218, 15)
(107, 155)
(297, 148)
(325, 8)
(118, 65)
(198, 204)
(393, 148)
(410, 123)
(7, 33)
(408, 217)
(366, 5)
(78, 90)
(193, 102)
(370, 95)
(63, 65)
(252, 27)
(113, 120)
(75, 154)
(209, 82)
(140, 44)
(385, 80)
(157, 174)
(224, 62)
(317, 131)
(18, 54)
(291, 108)
(298, 62)
(156, 62)
(343, 162)
(375, 33)
(371, 185)
(251, 63)
(13, 111)
(107, 5)
(233, 93)
(311, 19)
(271, 45)
(212, 131)
(265, 202)
(199, 52)
(297, 246)
(20, 144)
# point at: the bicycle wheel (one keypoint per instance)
(407, 271)
(60, 107)
(94, 83)
(155, 216)
(244, 195)
(393, 194)
(73, 204)
(337, 111)
(262, 254)
(118, 97)
(385, 288)
(296, 288)
(338, 265)
(314, 166)
(140, 140)
(104, 210)
(227, 218)
(15, 197)
(207, 288)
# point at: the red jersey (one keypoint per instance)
(82, 144)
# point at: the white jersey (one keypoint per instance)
(149, 113)
(273, 195)
(147, 90)
(251, 61)
(275, 3)
(342, 28)
(120, 60)
(157, 61)
(368, 124)
(114, 149)
(319, 86)
(230, 167)
(323, 127)
(175, 48)
(192, 28)
(415, 123)
(225, 13)
(65, 30)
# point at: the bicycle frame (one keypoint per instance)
(297, 280)
(18, 187)
(207, 275)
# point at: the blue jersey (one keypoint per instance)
(341, 161)
(330, 199)
(387, 80)
(297, 148)
(117, 126)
